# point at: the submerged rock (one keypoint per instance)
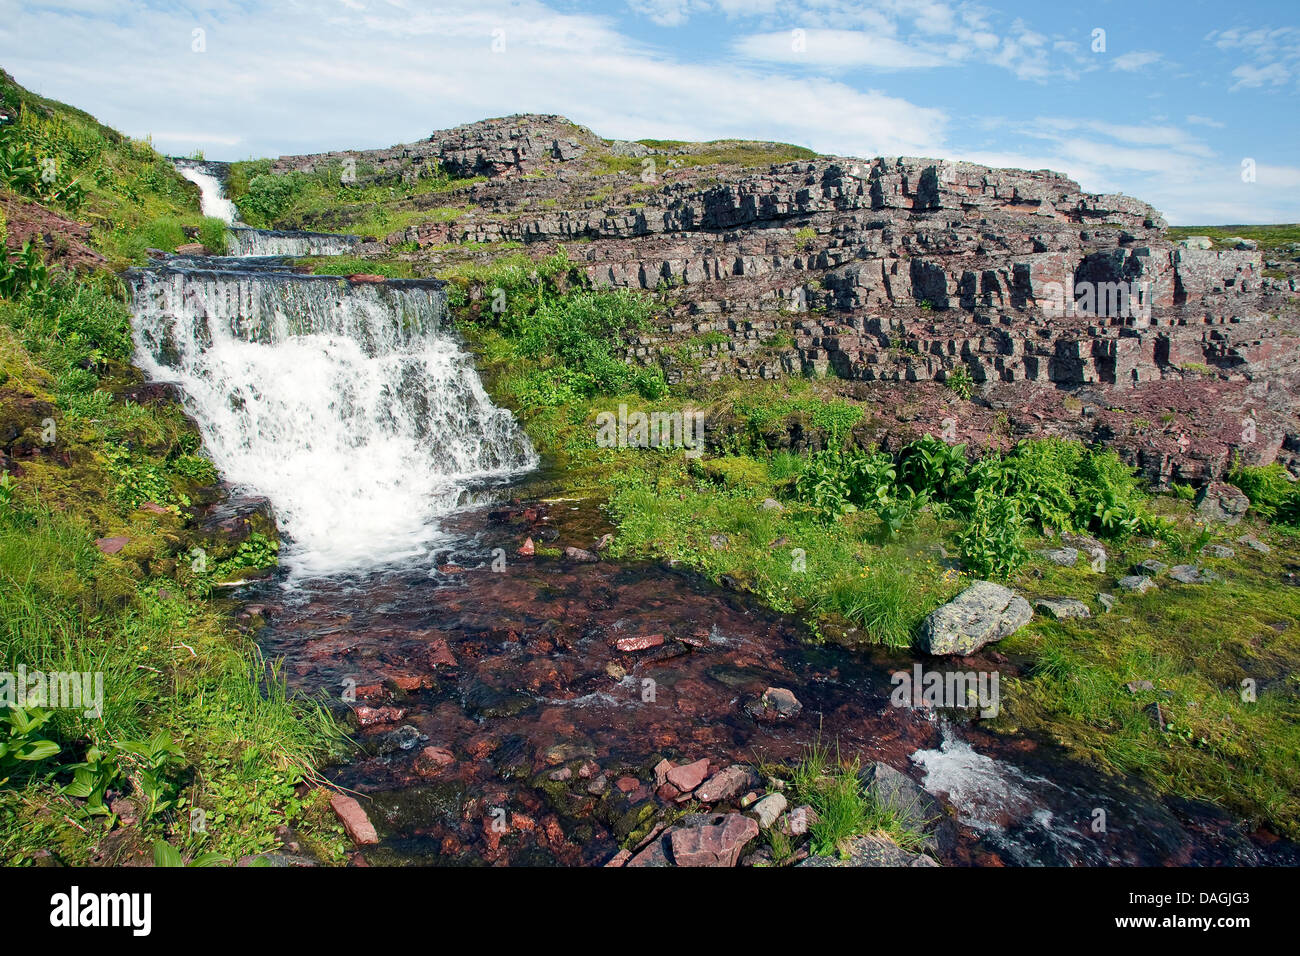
(355, 822)
(983, 613)
(717, 843)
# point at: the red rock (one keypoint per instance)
(370, 716)
(111, 545)
(642, 643)
(358, 826)
(527, 549)
(367, 278)
(655, 854)
(440, 654)
(620, 858)
(627, 784)
(407, 682)
(153, 508)
(190, 249)
(689, 776)
(661, 771)
(433, 760)
(725, 784)
(451, 569)
(667, 792)
(716, 844)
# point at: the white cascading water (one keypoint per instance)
(263, 242)
(211, 195)
(350, 406)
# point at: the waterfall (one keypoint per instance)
(350, 406)
(272, 242)
(212, 200)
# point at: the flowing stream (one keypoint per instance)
(353, 408)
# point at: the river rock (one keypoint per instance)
(1222, 502)
(777, 703)
(355, 822)
(580, 554)
(718, 843)
(1063, 608)
(726, 783)
(688, 776)
(983, 613)
(769, 809)
(433, 760)
(871, 851)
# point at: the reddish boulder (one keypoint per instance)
(713, 844)
(689, 776)
(433, 760)
(355, 822)
(112, 545)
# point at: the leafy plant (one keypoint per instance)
(22, 748)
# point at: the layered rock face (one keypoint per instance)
(1067, 312)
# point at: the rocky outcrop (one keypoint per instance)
(1068, 312)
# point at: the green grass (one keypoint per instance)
(1268, 237)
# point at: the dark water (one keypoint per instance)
(517, 672)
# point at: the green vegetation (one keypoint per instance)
(1268, 237)
(1273, 494)
(63, 158)
(339, 199)
(192, 725)
(556, 341)
(730, 151)
(844, 808)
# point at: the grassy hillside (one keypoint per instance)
(103, 567)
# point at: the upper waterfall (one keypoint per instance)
(212, 199)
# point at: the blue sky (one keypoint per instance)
(1166, 104)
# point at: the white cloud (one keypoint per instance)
(836, 49)
(1132, 62)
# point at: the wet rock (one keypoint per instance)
(440, 655)
(642, 642)
(355, 822)
(1065, 557)
(1222, 502)
(1193, 574)
(433, 760)
(718, 843)
(907, 798)
(776, 703)
(527, 549)
(871, 851)
(373, 716)
(983, 613)
(367, 278)
(768, 810)
(688, 776)
(605, 541)
(598, 786)
(726, 783)
(1063, 608)
(580, 554)
(1139, 583)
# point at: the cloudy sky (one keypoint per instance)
(1176, 102)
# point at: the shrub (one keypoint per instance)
(1273, 495)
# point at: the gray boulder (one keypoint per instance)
(983, 613)
(1063, 608)
(1219, 501)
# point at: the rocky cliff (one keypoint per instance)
(993, 303)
